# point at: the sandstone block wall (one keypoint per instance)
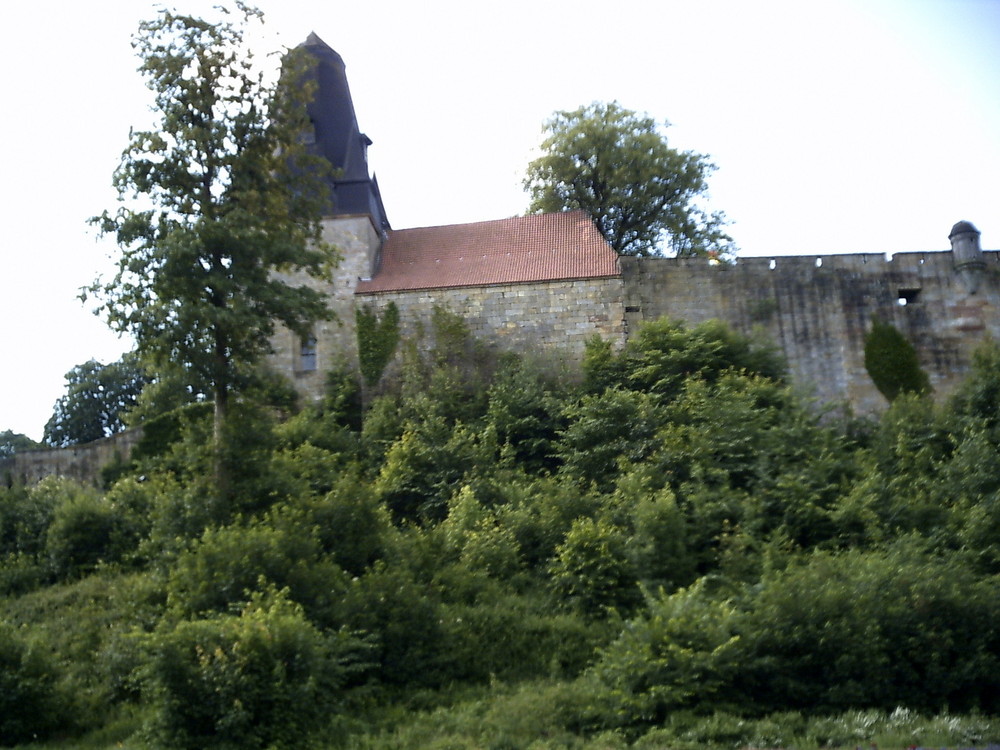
(552, 318)
(817, 310)
(80, 462)
(358, 242)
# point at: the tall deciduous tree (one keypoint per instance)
(616, 165)
(96, 400)
(220, 195)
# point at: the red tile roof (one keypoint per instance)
(541, 247)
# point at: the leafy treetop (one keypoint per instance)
(219, 196)
(616, 165)
(96, 401)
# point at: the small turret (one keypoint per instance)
(968, 255)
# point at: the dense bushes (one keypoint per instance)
(30, 706)
(620, 557)
(265, 678)
(873, 630)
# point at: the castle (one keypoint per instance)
(549, 282)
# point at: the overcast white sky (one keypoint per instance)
(836, 126)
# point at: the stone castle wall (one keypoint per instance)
(817, 310)
(80, 462)
(357, 241)
(551, 318)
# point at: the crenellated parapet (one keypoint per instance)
(818, 309)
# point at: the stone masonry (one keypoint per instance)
(815, 309)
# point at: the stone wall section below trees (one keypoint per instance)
(81, 462)
(817, 310)
(552, 319)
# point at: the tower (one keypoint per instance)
(336, 137)
(355, 224)
(968, 255)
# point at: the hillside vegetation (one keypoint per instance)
(670, 548)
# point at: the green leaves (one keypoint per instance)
(616, 165)
(265, 678)
(215, 200)
(377, 340)
(892, 363)
(96, 401)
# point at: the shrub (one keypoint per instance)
(891, 362)
(227, 565)
(403, 618)
(30, 707)
(592, 569)
(426, 465)
(84, 533)
(265, 678)
(349, 523)
(872, 630)
(664, 353)
(524, 410)
(677, 653)
(605, 429)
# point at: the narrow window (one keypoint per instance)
(307, 354)
(907, 296)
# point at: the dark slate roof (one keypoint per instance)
(961, 228)
(522, 249)
(338, 138)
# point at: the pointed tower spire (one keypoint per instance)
(338, 138)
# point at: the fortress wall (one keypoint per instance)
(357, 241)
(80, 462)
(817, 309)
(555, 318)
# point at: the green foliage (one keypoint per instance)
(978, 398)
(892, 363)
(26, 515)
(453, 344)
(482, 544)
(342, 400)
(872, 630)
(11, 442)
(403, 618)
(682, 553)
(84, 629)
(170, 390)
(616, 165)
(664, 353)
(604, 430)
(227, 566)
(658, 532)
(217, 197)
(743, 453)
(592, 570)
(602, 368)
(524, 411)
(902, 490)
(31, 707)
(679, 652)
(539, 512)
(265, 678)
(97, 399)
(426, 465)
(377, 340)
(348, 523)
(86, 531)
